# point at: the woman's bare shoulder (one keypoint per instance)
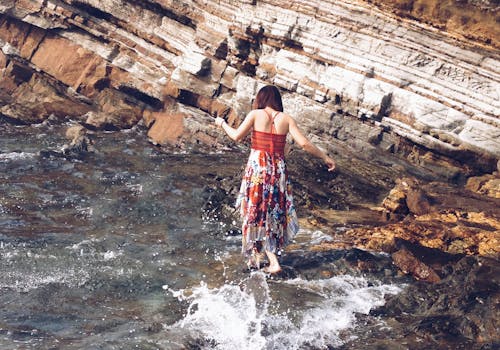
(287, 117)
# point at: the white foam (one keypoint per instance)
(343, 298)
(24, 281)
(233, 318)
(318, 237)
(227, 316)
(110, 255)
(136, 189)
(15, 156)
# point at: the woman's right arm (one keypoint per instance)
(307, 145)
(239, 133)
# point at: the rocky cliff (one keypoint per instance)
(416, 78)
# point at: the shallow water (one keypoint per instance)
(114, 251)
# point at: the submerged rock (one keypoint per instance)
(80, 143)
(459, 309)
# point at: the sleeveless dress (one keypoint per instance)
(269, 220)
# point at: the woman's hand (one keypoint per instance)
(219, 121)
(330, 163)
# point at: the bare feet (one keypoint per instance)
(272, 269)
(274, 265)
(254, 261)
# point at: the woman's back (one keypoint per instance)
(264, 119)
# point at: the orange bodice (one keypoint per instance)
(268, 142)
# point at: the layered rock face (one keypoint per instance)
(350, 72)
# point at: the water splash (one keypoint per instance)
(5, 157)
(242, 316)
(226, 316)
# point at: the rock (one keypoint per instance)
(458, 222)
(395, 203)
(405, 198)
(417, 201)
(167, 128)
(117, 111)
(437, 93)
(451, 306)
(449, 16)
(74, 132)
(488, 185)
(409, 264)
(36, 98)
(80, 144)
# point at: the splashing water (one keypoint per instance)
(242, 317)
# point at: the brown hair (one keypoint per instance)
(268, 96)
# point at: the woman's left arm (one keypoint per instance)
(239, 133)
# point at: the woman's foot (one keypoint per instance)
(254, 261)
(272, 269)
(274, 265)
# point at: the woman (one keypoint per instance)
(265, 198)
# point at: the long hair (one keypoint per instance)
(268, 96)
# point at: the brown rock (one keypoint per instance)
(488, 185)
(417, 201)
(37, 99)
(32, 41)
(405, 198)
(171, 90)
(64, 60)
(117, 111)
(479, 22)
(74, 132)
(218, 109)
(395, 202)
(454, 232)
(3, 60)
(167, 128)
(148, 117)
(409, 264)
(14, 32)
(80, 144)
(31, 6)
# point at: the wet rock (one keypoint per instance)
(452, 232)
(459, 308)
(154, 327)
(409, 264)
(80, 143)
(316, 264)
(459, 222)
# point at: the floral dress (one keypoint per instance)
(265, 198)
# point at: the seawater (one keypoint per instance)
(236, 317)
(114, 251)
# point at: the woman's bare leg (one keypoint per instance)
(274, 265)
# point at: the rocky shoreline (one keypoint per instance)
(409, 112)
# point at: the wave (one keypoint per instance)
(4, 157)
(246, 317)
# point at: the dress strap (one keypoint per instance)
(272, 118)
